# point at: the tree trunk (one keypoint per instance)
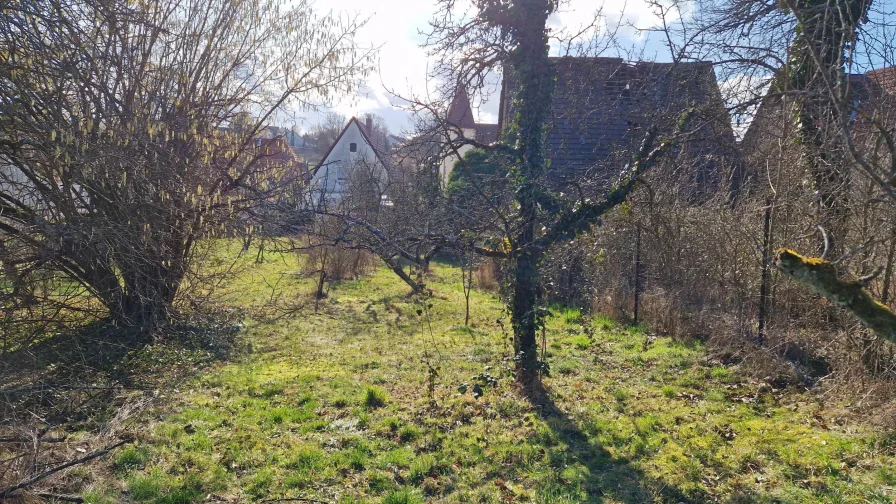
(466, 273)
(524, 316)
(637, 276)
(535, 75)
(141, 311)
(147, 298)
(398, 270)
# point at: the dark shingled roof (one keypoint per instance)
(486, 133)
(601, 107)
(872, 95)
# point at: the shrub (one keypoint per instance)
(339, 263)
(487, 276)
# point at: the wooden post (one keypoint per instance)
(766, 269)
(888, 271)
(637, 273)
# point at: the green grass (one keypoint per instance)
(340, 407)
(375, 397)
(130, 458)
(571, 316)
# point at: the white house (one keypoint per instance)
(460, 116)
(354, 158)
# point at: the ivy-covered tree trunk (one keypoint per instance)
(525, 314)
(532, 70)
(515, 33)
(825, 32)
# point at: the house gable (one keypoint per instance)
(351, 148)
(872, 96)
(602, 106)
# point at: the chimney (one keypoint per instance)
(369, 125)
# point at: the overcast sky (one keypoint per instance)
(394, 26)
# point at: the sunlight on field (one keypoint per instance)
(360, 403)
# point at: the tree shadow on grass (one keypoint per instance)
(91, 386)
(601, 476)
(75, 377)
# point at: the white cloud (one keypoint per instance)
(395, 27)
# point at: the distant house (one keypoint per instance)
(601, 108)
(460, 116)
(289, 136)
(283, 167)
(872, 95)
(356, 163)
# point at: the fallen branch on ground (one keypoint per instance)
(49, 472)
(60, 497)
(30, 440)
(296, 499)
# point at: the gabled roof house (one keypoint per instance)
(601, 108)
(356, 157)
(872, 95)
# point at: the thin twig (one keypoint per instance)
(60, 497)
(49, 472)
(296, 499)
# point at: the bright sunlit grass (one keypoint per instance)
(360, 403)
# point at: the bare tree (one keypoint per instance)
(826, 64)
(127, 134)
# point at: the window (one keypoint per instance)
(353, 147)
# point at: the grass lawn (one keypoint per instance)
(361, 403)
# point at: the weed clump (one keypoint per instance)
(131, 458)
(422, 467)
(375, 397)
(572, 316)
(403, 496)
(409, 433)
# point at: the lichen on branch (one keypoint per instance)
(823, 278)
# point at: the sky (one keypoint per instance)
(394, 26)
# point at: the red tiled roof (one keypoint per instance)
(885, 78)
(276, 151)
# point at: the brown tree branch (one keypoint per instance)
(823, 278)
(49, 472)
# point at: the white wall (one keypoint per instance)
(448, 162)
(14, 183)
(331, 178)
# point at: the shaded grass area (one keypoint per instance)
(361, 403)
